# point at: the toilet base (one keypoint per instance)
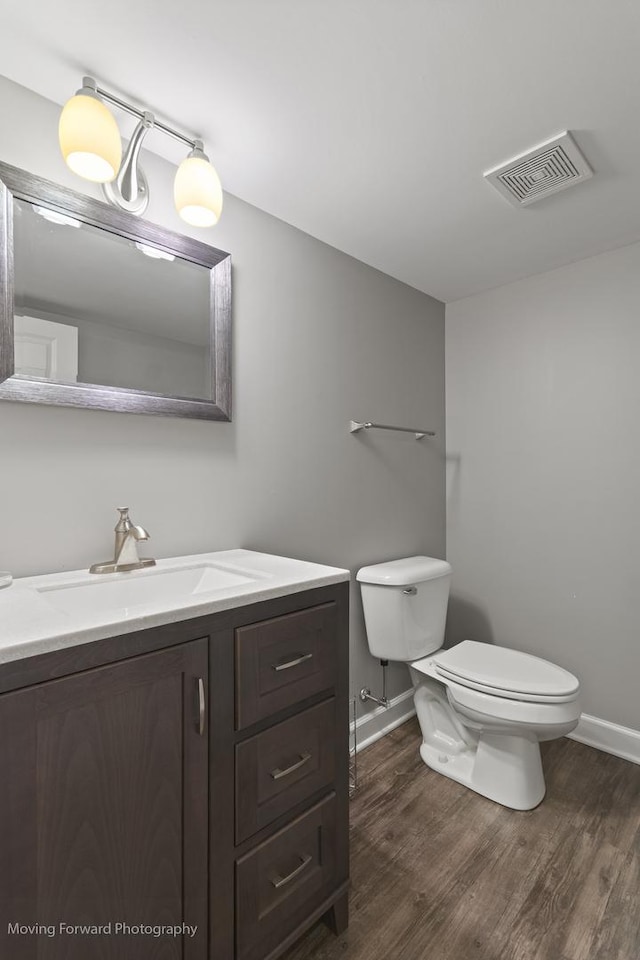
(503, 768)
(502, 765)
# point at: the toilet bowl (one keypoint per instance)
(486, 735)
(482, 709)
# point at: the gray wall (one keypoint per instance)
(319, 338)
(543, 401)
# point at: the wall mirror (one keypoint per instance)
(100, 309)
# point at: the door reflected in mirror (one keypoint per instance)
(93, 307)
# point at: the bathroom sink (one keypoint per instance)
(160, 587)
(56, 610)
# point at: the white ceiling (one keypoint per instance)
(369, 123)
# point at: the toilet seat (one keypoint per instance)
(478, 705)
(504, 673)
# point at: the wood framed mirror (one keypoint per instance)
(102, 310)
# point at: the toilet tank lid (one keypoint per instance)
(398, 573)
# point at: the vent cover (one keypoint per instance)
(551, 166)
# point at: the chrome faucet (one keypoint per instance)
(126, 548)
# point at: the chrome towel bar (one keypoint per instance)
(355, 427)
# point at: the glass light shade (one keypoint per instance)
(90, 139)
(197, 192)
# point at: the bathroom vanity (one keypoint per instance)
(174, 752)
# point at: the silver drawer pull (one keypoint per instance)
(291, 663)
(202, 707)
(278, 774)
(278, 882)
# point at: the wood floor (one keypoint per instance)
(442, 874)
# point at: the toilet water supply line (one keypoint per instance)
(365, 693)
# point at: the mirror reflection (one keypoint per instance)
(94, 307)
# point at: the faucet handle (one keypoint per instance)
(126, 525)
(124, 522)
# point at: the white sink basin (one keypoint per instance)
(161, 587)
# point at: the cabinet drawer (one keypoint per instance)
(280, 882)
(283, 766)
(282, 661)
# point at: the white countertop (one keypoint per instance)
(31, 624)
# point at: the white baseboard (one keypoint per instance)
(383, 720)
(609, 737)
(601, 734)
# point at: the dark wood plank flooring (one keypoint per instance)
(440, 873)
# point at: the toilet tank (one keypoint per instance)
(405, 606)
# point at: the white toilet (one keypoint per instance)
(482, 709)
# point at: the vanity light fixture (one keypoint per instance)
(92, 148)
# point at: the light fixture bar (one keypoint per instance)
(140, 114)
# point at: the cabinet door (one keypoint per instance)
(103, 812)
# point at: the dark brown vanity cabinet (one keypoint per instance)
(103, 808)
(194, 773)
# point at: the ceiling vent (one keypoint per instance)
(551, 166)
